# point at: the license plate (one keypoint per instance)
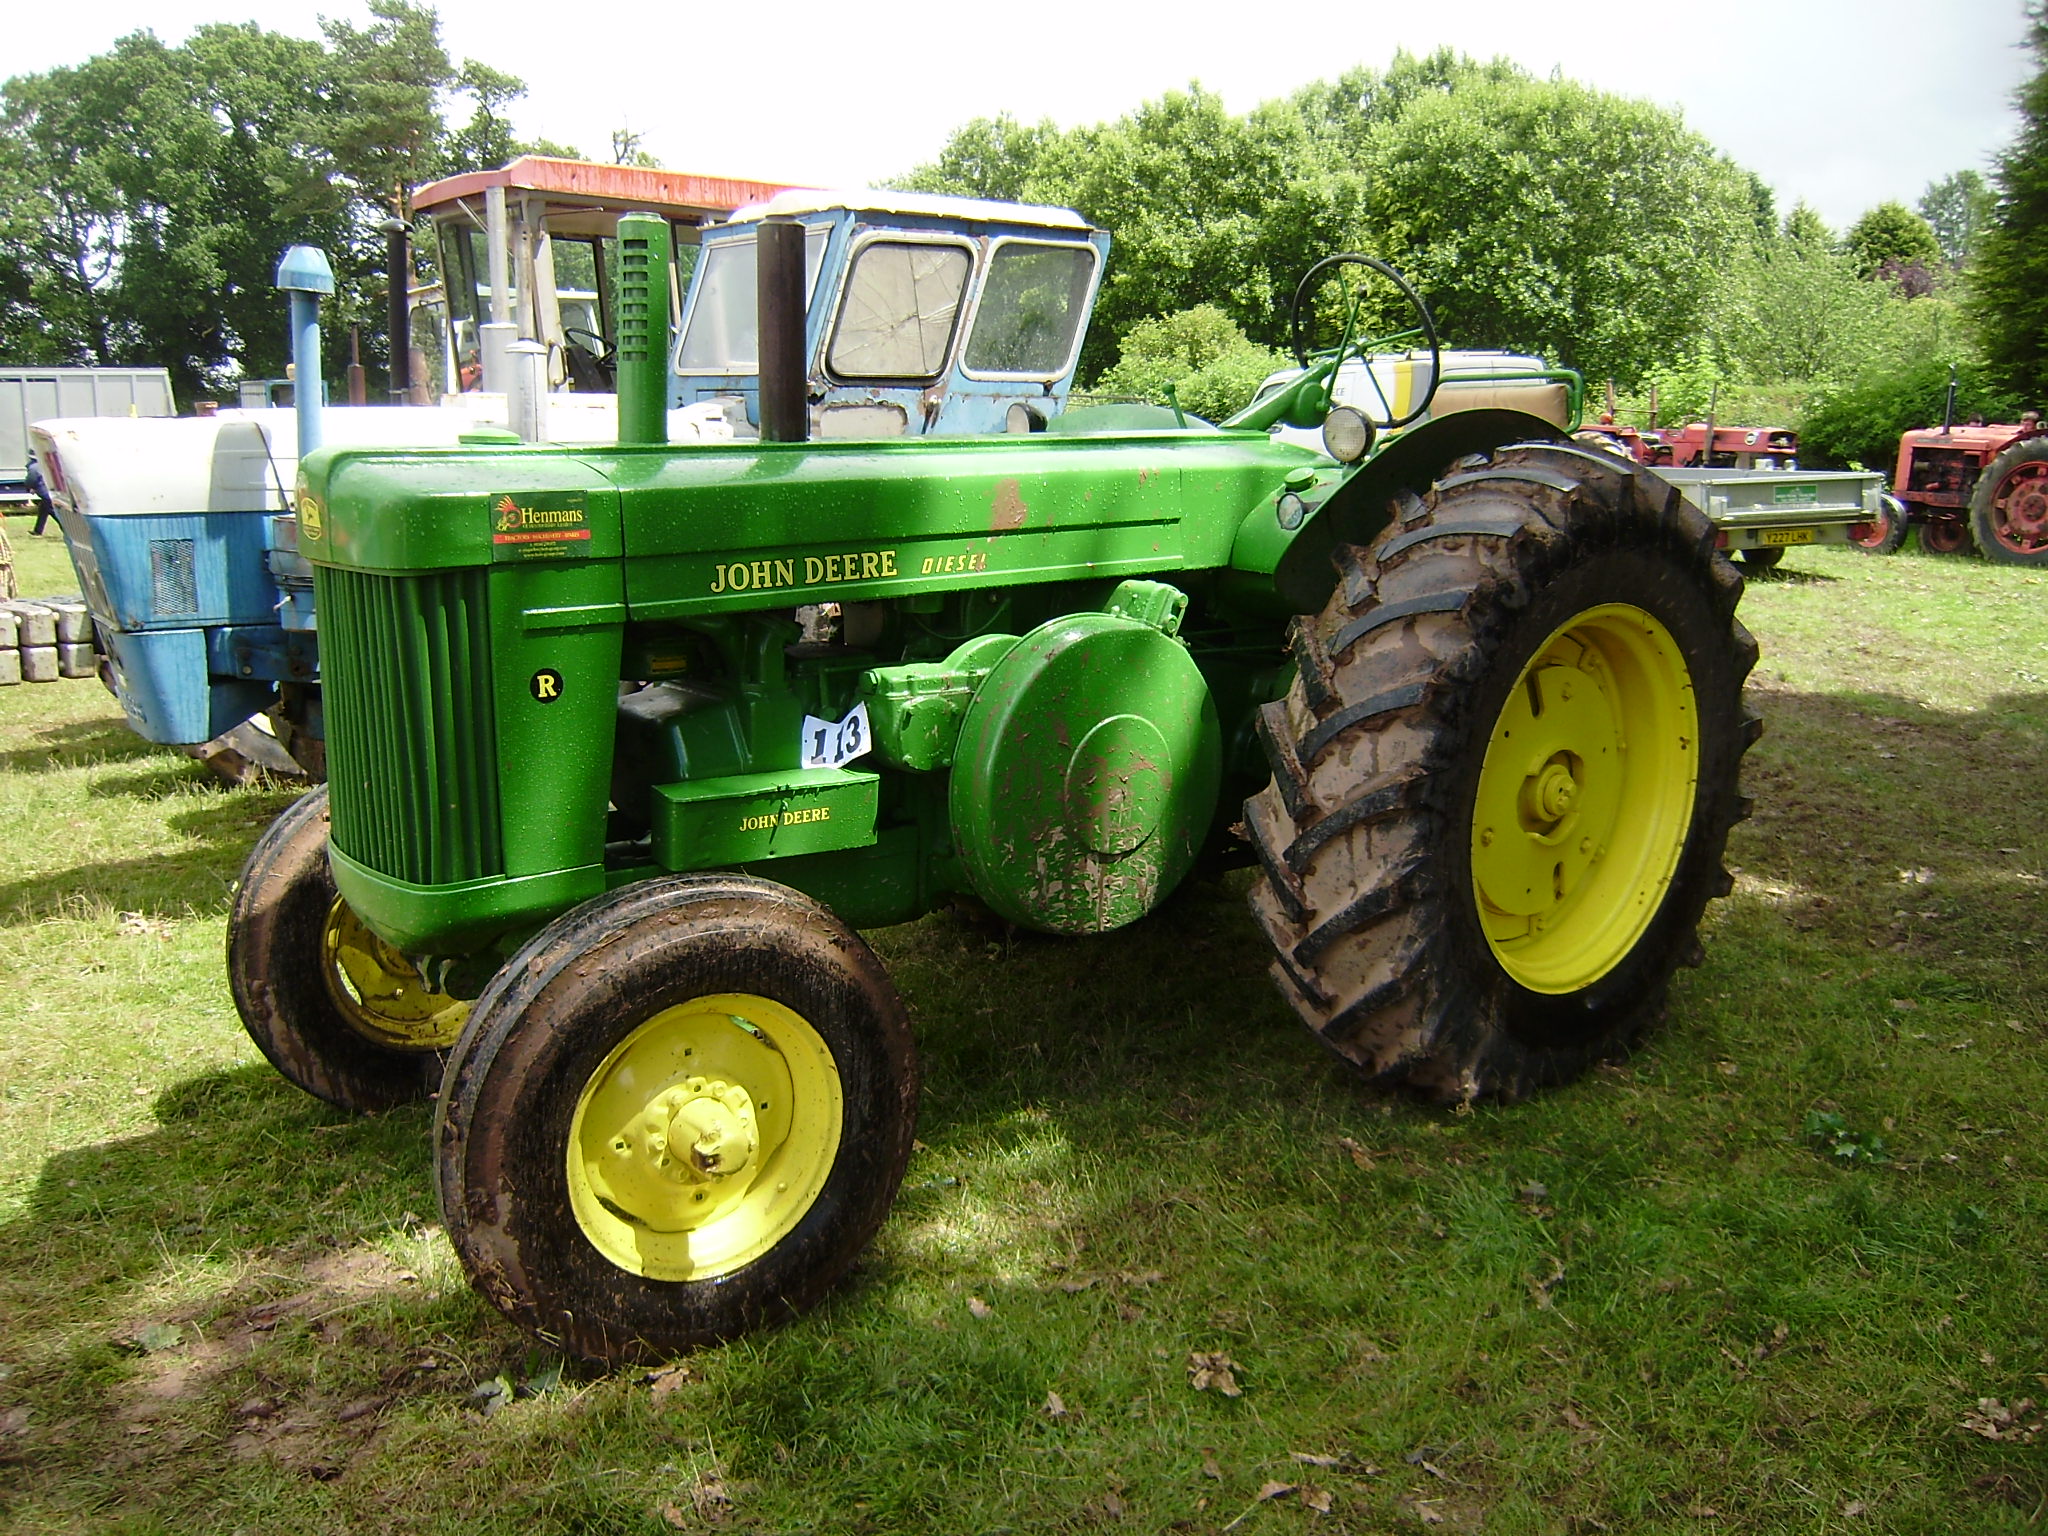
(1770, 536)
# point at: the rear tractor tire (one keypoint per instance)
(678, 1113)
(2009, 509)
(335, 1009)
(1505, 775)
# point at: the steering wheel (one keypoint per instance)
(590, 342)
(1302, 317)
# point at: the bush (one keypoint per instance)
(1857, 425)
(1213, 368)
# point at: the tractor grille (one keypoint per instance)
(411, 731)
(173, 581)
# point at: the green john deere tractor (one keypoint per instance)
(626, 743)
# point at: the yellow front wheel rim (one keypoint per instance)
(379, 993)
(1585, 798)
(699, 1143)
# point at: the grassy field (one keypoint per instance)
(1784, 1271)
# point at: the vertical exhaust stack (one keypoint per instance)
(643, 328)
(785, 410)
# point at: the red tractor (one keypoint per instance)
(1686, 447)
(1987, 483)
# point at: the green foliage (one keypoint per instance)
(992, 157)
(1957, 208)
(2009, 276)
(146, 194)
(1536, 215)
(1890, 234)
(1830, 1133)
(1213, 367)
(1547, 217)
(1796, 311)
(1806, 229)
(1857, 424)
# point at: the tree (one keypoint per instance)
(146, 194)
(1956, 208)
(1890, 234)
(1544, 216)
(993, 157)
(1805, 228)
(2009, 273)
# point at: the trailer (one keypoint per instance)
(33, 393)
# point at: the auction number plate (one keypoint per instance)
(1770, 536)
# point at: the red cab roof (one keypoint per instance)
(609, 186)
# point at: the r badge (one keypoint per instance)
(545, 685)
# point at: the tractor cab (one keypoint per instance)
(924, 315)
(534, 245)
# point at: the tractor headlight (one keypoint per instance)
(1347, 435)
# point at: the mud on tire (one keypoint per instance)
(1371, 896)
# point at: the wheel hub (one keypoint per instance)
(380, 994)
(710, 1133)
(1584, 798)
(704, 1137)
(1548, 796)
(2026, 514)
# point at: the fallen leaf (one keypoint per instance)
(674, 1516)
(1213, 1372)
(1209, 1467)
(1357, 1153)
(1310, 1459)
(1995, 1421)
(668, 1380)
(1317, 1499)
(1075, 1287)
(1571, 1418)
(491, 1395)
(361, 1408)
(159, 1336)
(1273, 1490)
(1055, 1406)
(1854, 1508)
(979, 1307)
(1904, 1004)
(1540, 1289)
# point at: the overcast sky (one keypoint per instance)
(1844, 103)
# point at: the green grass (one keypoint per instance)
(1647, 1303)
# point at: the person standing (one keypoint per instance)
(40, 491)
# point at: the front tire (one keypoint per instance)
(2009, 508)
(1945, 535)
(335, 1009)
(1883, 534)
(1505, 775)
(677, 1114)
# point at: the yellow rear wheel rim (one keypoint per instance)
(378, 992)
(699, 1143)
(1585, 798)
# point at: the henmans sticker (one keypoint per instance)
(538, 525)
